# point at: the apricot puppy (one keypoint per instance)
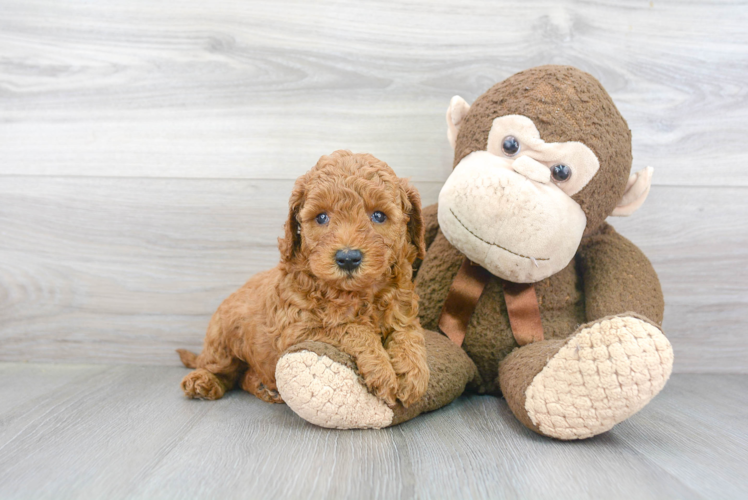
(345, 278)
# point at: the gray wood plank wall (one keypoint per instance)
(147, 149)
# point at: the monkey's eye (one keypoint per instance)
(378, 217)
(560, 172)
(322, 219)
(510, 145)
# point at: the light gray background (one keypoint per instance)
(147, 149)
(147, 152)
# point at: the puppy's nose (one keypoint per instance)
(348, 260)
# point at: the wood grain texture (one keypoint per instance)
(127, 270)
(148, 148)
(257, 89)
(21, 383)
(128, 432)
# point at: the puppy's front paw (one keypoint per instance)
(413, 383)
(408, 355)
(202, 384)
(382, 382)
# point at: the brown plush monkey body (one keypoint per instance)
(584, 291)
(553, 308)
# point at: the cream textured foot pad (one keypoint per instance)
(328, 394)
(601, 376)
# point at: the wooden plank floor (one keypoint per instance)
(98, 431)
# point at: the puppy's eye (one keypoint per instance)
(322, 219)
(378, 217)
(560, 172)
(510, 145)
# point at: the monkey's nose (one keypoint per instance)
(347, 259)
(532, 169)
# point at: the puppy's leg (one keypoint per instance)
(217, 368)
(252, 383)
(407, 351)
(373, 362)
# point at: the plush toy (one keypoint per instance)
(553, 308)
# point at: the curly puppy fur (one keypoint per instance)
(370, 313)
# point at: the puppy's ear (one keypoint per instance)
(290, 244)
(412, 207)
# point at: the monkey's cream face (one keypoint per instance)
(509, 208)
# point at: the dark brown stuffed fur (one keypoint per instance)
(609, 275)
(566, 105)
(370, 314)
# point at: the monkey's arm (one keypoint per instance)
(618, 278)
(431, 224)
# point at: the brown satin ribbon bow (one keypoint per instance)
(467, 287)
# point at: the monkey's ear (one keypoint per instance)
(636, 192)
(412, 207)
(456, 112)
(291, 242)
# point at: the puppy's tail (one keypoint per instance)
(189, 359)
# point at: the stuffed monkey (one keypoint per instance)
(525, 290)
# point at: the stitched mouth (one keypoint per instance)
(533, 259)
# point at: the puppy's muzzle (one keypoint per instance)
(348, 260)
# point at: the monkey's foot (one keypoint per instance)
(321, 385)
(600, 376)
